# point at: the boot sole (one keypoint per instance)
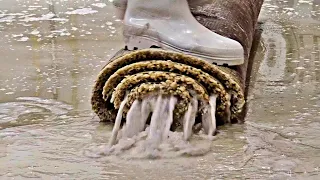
(143, 42)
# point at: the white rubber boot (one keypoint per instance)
(170, 25)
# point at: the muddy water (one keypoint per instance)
(51, 52)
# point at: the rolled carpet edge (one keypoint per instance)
(226, 77)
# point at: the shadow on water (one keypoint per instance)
(51, 55)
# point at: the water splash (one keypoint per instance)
(157, 123)
(142, 139)
(208, 118)
(116, 127)
(136, 120)
(189, 119)
(169, 121)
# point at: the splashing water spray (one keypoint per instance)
(150, 94)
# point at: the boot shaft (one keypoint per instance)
(158, 8)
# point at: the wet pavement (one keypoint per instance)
(52, 51)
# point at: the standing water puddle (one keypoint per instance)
(52, 51)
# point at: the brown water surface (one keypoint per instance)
(51, 52)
